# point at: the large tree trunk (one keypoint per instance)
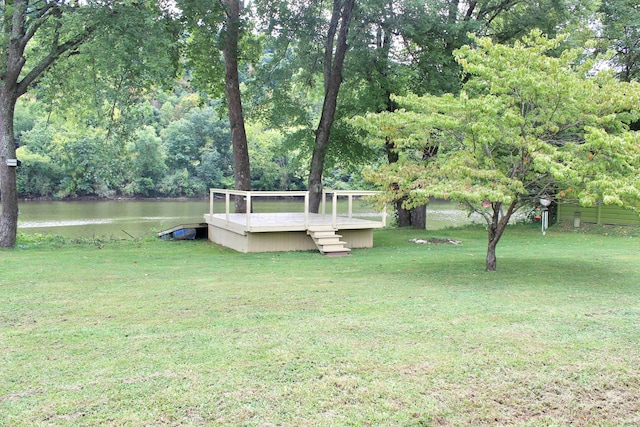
(8, 186)
(242, 172)
(13, 60)
(333, 80)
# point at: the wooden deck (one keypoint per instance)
(267, 232)
(288, 221)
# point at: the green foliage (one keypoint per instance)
(182, 184)
(200, 143)
(274, 165)
(39, 241)
(169, 144)
(526, 124)
(27, 113)
(108, 74)
(148, 163)
(206, 26)
(38, 175)
(433, 29)
(620, 33)
(90, 163)
(289, 87)
(39, 138)
(104, 87)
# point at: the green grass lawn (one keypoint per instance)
(189, 333)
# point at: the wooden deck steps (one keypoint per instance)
(327, 241)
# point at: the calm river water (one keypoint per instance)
(122, 219)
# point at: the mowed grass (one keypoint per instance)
(189, 333)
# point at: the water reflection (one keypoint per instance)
(69, 223)
(113, 219)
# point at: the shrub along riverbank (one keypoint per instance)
(188, 333)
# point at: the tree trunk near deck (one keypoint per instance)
(333, 80)
(419, 217)
(242, 172)
(403, 215)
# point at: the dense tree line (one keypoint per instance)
(98, 110)
(173, 146)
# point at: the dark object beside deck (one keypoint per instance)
(185, 232)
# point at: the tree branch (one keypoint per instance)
(56, 52)
(472, 7)
(41, 17)
(328, 47)
(494, 11)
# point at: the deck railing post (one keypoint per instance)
(334, 215)
(350, 205)
(306, 209)
(248, 210)
(211, 194)
(226, 205)
(384, 216)
(324, 198)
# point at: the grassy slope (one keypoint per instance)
(188, 333)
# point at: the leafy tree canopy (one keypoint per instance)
(621, 33)
(526, 124)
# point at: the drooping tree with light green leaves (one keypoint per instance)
(532, 121)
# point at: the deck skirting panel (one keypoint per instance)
(278, 232)
(357, 238)
(283, 241)
(228, 238)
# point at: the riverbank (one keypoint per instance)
(105, 199)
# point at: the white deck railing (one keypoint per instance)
(350, 195)
(249, 196)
